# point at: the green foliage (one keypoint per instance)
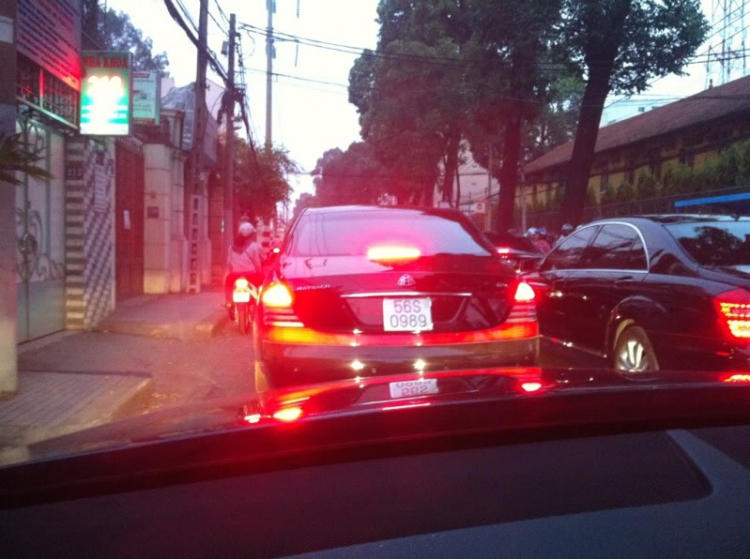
(260, 178)
(109, 30)
(17, 157)
(643, 39)
(353, 176)
(646, 185)
(744, 163)
(625, 192)
(409, 91)
(619, 46)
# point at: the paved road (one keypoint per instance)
(183, 371)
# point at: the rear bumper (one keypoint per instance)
(285, 364)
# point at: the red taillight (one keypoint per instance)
(277, 295)
(738, 377)
(288, 414)
(277, 302)
(524, 293)
(503, 250)
(392, 253)
(524, 308)
(734, 312)
(531, 386)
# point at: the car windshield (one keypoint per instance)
(718, 243)
(366, 224)
(353, 233)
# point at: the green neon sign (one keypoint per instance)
(105, 93)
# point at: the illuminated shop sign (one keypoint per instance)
(105, 93)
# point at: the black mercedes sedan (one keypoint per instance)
(359, 291)
(650, 292)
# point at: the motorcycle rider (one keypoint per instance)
(243, 260)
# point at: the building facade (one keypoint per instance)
(687, 134)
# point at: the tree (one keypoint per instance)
(354, 176)
(305, 200)
(410, 96)
(618, 46)
(512, 43)
(110, 30)
(260, 178)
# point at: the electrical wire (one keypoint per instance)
(210, 55)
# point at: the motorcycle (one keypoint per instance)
(244, 301)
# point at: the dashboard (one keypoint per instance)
(679, 493)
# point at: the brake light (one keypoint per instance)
(734, 312)
(503, 250)
(523, 310)
(277, 295)
(288, 414)
(531, 386)
(392, 253)
(739, 377)
(524, 293)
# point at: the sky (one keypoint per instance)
(311, 112)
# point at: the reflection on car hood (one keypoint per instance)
(463, 392)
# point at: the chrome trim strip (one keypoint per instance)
(402, 294)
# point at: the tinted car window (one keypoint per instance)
(720, 243)
(568, 253)
(353, 233)
(616, 247)
(515, 242)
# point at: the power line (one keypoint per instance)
(209, 53)
(221, 12)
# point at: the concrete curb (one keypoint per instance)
(208, 327)
(203, 329)
(21, 428)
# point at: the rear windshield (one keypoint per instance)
(353, 233)
(717, 243)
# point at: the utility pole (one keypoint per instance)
(229, 171)
(193, 192)
(271, 5)
(199, 111)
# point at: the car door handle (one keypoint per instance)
(621, 281)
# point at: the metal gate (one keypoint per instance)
(40, 232)
(129, 195)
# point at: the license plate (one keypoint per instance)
(241, 297)
(410, 388)
(407, 315)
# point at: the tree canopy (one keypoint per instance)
(260, 178)
(106, 29)
(510, 80)
(619, 46)
(353, 176)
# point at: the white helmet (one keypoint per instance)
(246, 229)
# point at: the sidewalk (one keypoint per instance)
(52, 400)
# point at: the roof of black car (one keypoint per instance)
(365, 208)
(666, 219)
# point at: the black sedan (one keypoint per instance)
(359, 291)
(651, 292)
(518, 251)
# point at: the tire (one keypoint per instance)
(243, 318)
(634, 353)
